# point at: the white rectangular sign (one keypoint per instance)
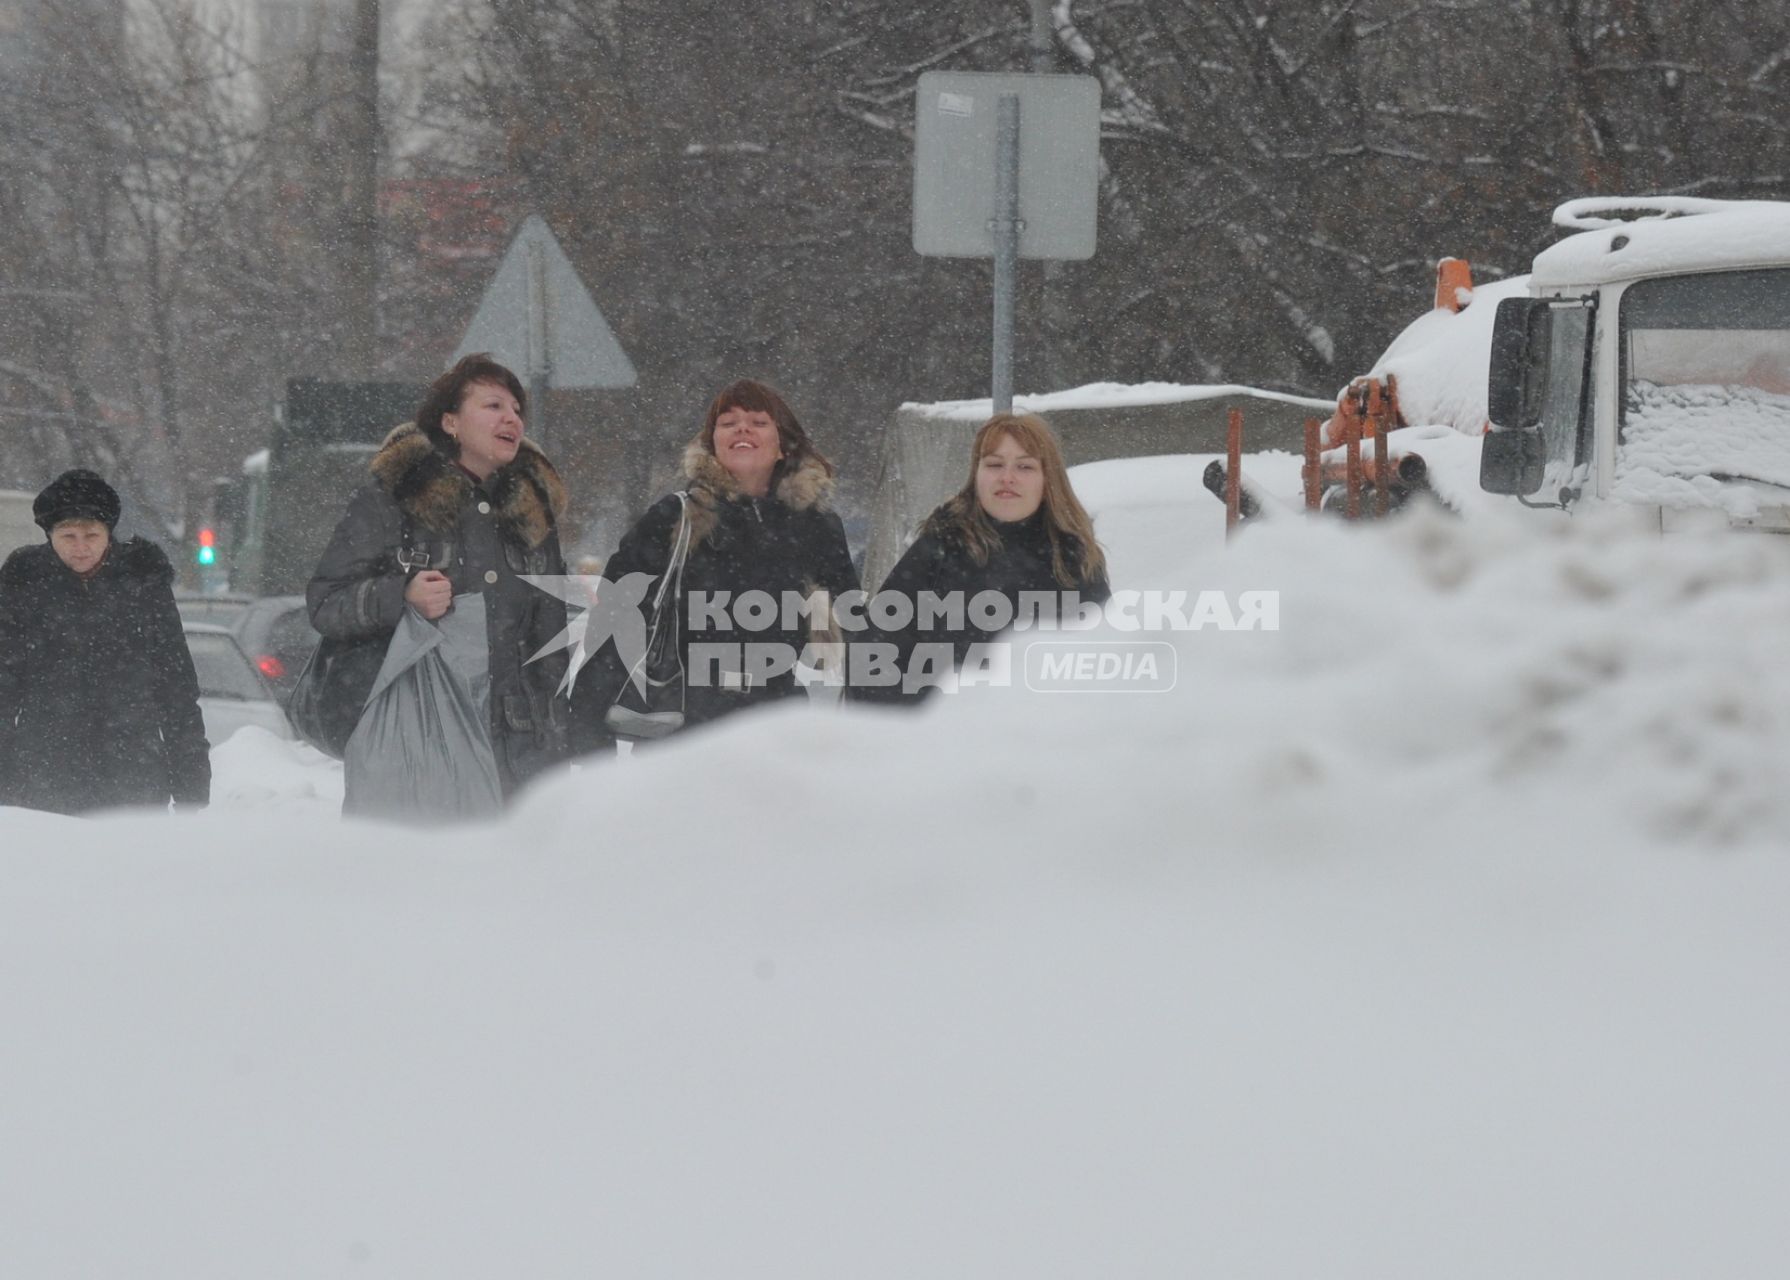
(954, 163)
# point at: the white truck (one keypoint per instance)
(1650, 364)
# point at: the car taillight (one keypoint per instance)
(271, 667)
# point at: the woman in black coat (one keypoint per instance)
(460, 503)
(1015, 529)
(99, 705)
(757, 498)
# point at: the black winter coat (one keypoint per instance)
(790, 541)
(939, 561)
(482, 536)
(99, 705)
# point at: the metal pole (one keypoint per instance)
(360, 144)
(1382, 466)
(1353, 474)
(1050, 287)
(1233, 475)
(540, 366)
(1043, 53)
(1314, 478)
(1006, 227)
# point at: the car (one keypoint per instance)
(212, 607)
(276, 634)
(274, 631)
(232, 693)
(18, 527)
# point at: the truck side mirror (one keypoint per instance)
(1517, 378)
(1511, 460)
(1513, 456)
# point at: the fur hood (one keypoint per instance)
(807, 487)
(528, 494)
(135, 558)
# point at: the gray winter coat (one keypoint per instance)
(482, 536)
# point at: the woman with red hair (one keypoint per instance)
(756, 516)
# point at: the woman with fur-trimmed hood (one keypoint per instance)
(460, 503)
(99, 704)
(759, 504)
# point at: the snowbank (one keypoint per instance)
(1152, 512)
(255, 771)
(1104, 395)
(1438, 932)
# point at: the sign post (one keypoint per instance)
(540, 359)
(538, 318)
(1006, 247)
(1006, 166)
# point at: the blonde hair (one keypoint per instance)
(1075, 557)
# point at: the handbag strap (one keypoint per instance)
(672, 579)
(680, 552)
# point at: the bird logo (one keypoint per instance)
(605, 612)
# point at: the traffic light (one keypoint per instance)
(208, 547)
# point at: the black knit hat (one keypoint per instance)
(76, 495)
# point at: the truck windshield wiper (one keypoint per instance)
(1729, 477)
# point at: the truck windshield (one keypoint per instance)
(1706, 389)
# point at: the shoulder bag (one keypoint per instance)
(651, 701)
(331, 693)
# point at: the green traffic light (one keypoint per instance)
(208, 555)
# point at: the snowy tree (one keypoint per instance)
(1278, 179)
(142, 207)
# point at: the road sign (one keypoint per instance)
(538, 318)
(1005, 167)
(956, 140)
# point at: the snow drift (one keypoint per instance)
(1439, 932)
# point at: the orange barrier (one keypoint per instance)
(1314, 477)
(1352, 443)
(1382, 484)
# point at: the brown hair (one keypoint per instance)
(758, 397)
(446, 393)
(1075, 557)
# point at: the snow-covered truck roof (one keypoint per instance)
(1624, 238)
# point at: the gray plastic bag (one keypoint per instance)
(422, 750)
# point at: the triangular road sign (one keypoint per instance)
(538, 318)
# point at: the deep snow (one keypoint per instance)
(1438, 933)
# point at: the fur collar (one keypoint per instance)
(134, 558)
(528, 495)
(806, 487)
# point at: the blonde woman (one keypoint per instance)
(1015, 528)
